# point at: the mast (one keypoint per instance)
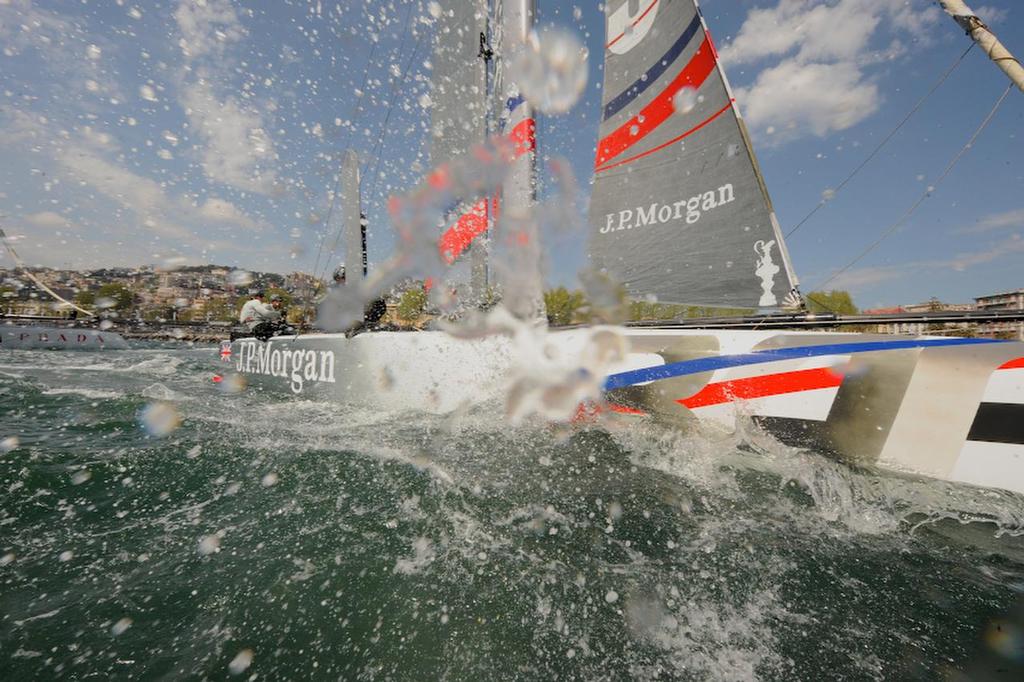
(980, 33)
(353, 224)
(520, 191)
(458, 113)
(523, 293)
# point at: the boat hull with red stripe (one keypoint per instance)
(947, 408)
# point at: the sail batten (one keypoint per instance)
(679, 211)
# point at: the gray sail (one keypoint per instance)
(679, 210)
(458, 101)
(353, 224)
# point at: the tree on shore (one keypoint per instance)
(85, 297)
(835, 301)
(412, 304)
(114, 296)
(563, 306)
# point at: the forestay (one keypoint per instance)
(679, 210)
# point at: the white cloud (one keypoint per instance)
(858, 279)
(996, 221)
(223, 211)
(72, 57)
(818, 82)
(47, 220)
(1011, 245)
(84, 157)
(794, 97)
(990, 15)
(238, 150)
(207, 26)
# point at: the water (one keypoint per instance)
(302, 540)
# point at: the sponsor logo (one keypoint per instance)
(690, 210)
(766, 271)
(51, 337)
(296, 365)
(626, 30)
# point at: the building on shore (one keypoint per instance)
(1008, 301)
(902, 321)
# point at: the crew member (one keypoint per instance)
(274, 322)
(256, 314)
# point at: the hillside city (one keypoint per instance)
(213, 294)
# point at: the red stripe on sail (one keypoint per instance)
(637, 21)
(763, 386)
(523, 137)
(657, 112)
(707, 36)
(473, 222)
(459, 236)
(665, 144)
(1013, 364)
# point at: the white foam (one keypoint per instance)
(94, 394)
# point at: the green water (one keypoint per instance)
(336, 543)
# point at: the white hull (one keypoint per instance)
(59, 338)
(946, 408)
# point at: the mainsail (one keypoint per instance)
(459, 118)
(679, 210)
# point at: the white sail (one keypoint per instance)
(679, 210)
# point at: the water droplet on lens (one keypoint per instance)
(120, 626)
(684, 100)
(241, 662)
(160, 419)
(239, 278)
(550, 69)
(209, 544)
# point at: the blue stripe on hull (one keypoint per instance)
(686, 367)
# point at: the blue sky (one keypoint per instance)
(171, 132)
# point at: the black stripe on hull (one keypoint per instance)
(998, 423)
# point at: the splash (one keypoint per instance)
(550, 68)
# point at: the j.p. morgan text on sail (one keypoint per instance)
(689, 209)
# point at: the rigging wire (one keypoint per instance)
(337, 183)
(334, 197)
(878, 148)
(378, 148)
(38, 282)
(927, 193)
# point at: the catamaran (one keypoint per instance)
(679, 212)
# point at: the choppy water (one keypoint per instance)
(336, 543)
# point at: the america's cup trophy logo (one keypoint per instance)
(766, 270)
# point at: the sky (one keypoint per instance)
(211, 132)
